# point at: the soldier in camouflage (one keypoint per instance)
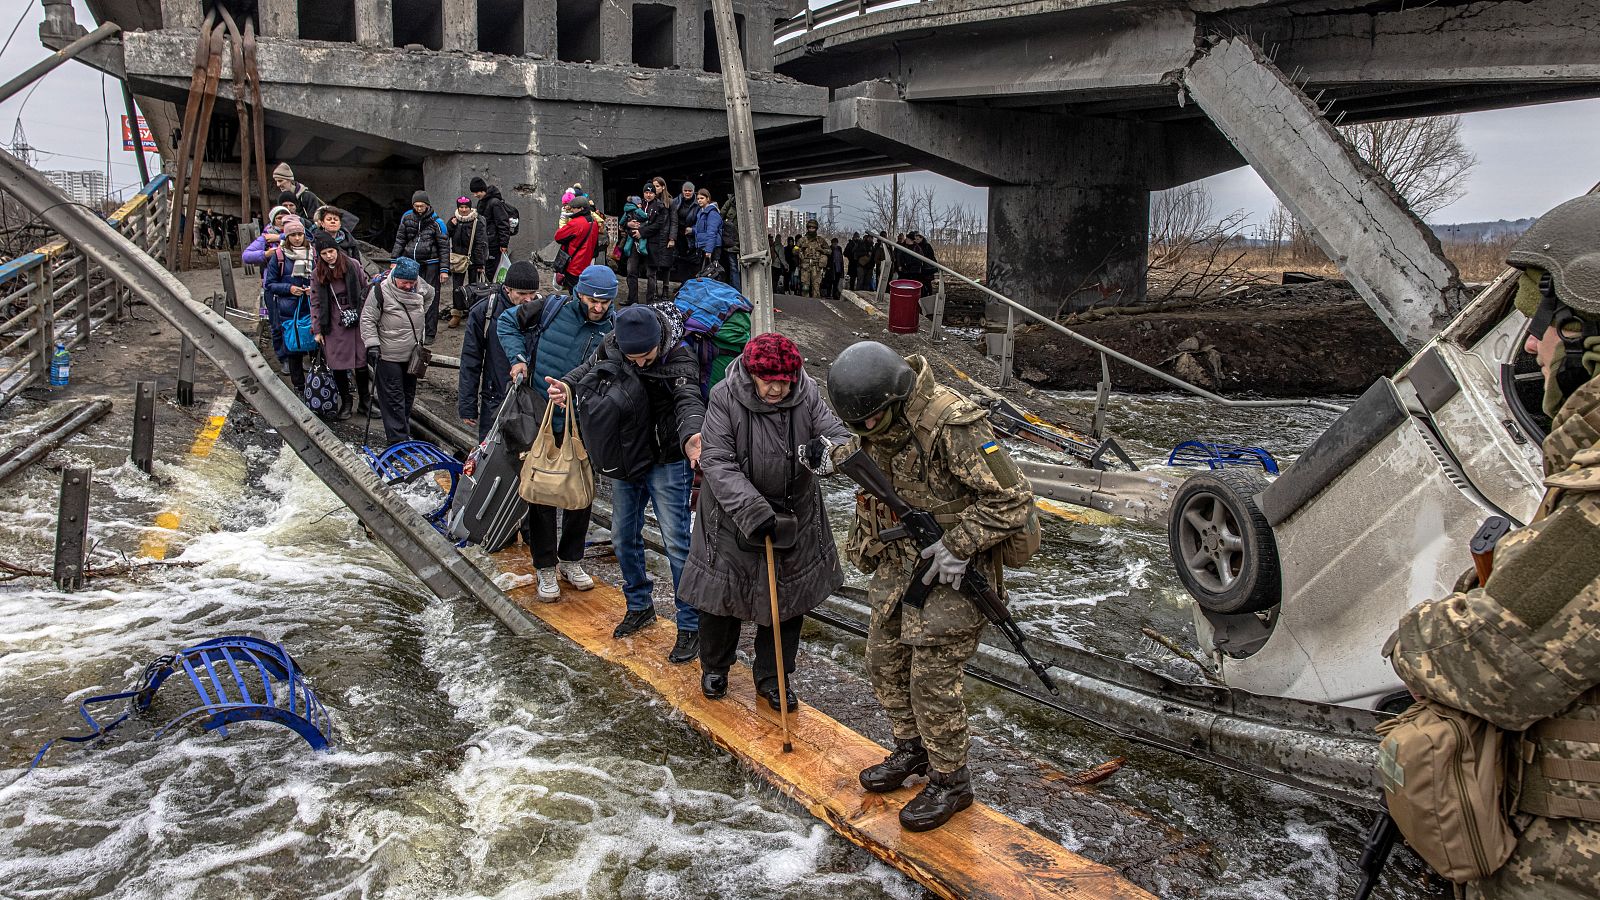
(813, 249)
(1523, 650)
(942, 456)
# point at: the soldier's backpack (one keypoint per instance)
(705, 305)
(1444, 778)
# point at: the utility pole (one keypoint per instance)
(894, 204)
(755, 271)
(832, 206)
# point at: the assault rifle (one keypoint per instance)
(1382, 834)
(919, 526)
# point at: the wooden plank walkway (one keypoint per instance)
(980, 853)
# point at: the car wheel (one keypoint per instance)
(1221, 544)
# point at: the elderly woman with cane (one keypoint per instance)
(761, 515)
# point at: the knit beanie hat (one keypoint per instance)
(598, 281)
(283, 171)
(421, 197)
(773, 357)
(286, 197)
(463, 201)
(406, 269)
(293, 225)
(323, 241)
(522, 276)
(477, 184)
(638, 330)
(274, 214)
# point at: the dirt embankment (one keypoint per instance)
(1286, 341)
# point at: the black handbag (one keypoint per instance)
(417, 364)
(786, 532)
(321, 392)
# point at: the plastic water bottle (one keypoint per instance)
(60, 366)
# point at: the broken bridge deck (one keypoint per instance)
(981, 853)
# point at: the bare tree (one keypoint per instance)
(1424, 158)
(1192, 249)
(878, 213)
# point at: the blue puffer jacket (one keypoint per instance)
(708, 229)
(569, 342)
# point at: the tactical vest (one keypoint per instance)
(1560, 756)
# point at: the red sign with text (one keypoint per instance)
(146, 139)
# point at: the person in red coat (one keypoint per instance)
(578, 238)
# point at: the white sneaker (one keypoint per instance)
(549, 587)
(575, 575)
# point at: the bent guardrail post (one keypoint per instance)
(395, 524)
(72, 527)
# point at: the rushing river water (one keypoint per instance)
(473, 764)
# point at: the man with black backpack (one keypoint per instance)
(552, 338)
(641, 406)
(499, 217)
(485, 365)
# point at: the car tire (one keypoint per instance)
(1221, 544)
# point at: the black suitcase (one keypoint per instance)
(488, 510)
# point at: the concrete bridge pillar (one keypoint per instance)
(375, 23)
(460, 25)
(278, 18)
(1055, 245)
(181, 14)
(531, 182)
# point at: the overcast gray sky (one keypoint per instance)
(1529, 159)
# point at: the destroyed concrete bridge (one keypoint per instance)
(1070, 111)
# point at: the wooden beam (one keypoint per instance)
(979, 854)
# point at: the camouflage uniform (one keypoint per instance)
(813, 249)
(943, 458)
(1523, 652)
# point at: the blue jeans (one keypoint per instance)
(666, 487)
(732, 265)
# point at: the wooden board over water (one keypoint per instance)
(980, 853)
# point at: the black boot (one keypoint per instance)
(635, 620)
(945, 795)
(686, 648)
(344, 408)
(714, 685)
(769, 693)
(909, 758)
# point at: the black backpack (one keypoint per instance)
(612, 403)
(513, 218)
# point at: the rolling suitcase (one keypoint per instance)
(488, 510)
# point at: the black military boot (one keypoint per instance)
(909, 758)
(943, 797)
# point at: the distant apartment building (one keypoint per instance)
(88, 188)
(787, 219)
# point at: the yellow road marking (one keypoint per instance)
(159, 539)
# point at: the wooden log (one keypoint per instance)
(978, 854)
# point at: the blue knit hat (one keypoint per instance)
(638, 330)
(406, 269)
(598, 281)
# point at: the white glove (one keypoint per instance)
(946, 567)
(817, 455)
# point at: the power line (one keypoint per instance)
(20, 19)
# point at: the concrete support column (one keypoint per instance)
(539, 28)
(279, 18)
(531, 182)
(759, 53)
(616, 32)
(181, 14)
(461, 25)
(1055, 244)
(688, 34)
(375, 23)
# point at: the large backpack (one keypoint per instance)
(613, 403)
(513, 218)
(704, 305)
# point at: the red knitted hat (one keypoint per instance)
(773, 357)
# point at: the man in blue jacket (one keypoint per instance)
(553, 340)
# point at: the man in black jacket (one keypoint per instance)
(646, 345)
(424, 237)
(684, 213)
(485, 368)
(492, 207)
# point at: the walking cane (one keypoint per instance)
(777, 648)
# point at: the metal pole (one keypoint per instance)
(85, 314)
(1102, 394)
(138, 140)
(1008, 348)
(754, 268)
(44, 323)
(938, 309)
(186, 373)
(229, 292)
(144, 425)
(55, 59)
(72, 527)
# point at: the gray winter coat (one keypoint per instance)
(394, 322)
(748, 456)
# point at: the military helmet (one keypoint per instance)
(1565, 243)
(865, 379)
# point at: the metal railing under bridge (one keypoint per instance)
(56, 294)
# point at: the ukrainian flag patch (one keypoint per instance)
(990, 447)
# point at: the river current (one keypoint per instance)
(470, 763)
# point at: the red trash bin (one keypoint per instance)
(905, 306)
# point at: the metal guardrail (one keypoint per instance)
(57, 294)
(1009, 343)
(391, 520)
(812, 19)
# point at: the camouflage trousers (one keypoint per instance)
(811, 280)
(1555, 859)
(921, 687)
